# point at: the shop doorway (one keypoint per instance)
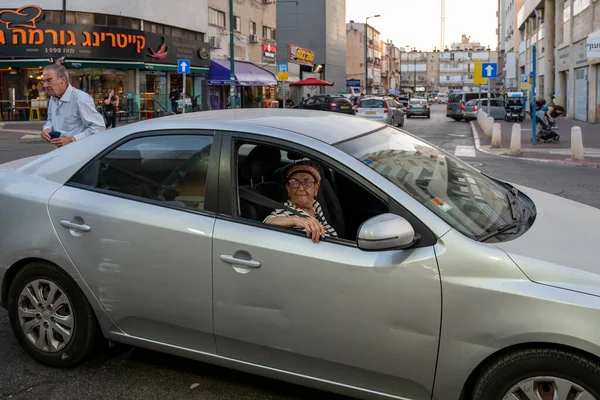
(581, 94)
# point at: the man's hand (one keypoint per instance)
(45, 135)
(61, 141)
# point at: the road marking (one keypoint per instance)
(465, 151)
(20, 131)
(31, 137)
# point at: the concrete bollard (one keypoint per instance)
(489, 125)
(496, 136)
(576, 144)
(515, 139)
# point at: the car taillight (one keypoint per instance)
(408, 106)
(427, 106)
(462, 106)
(332, 105)
(385, 107)
(475, 108)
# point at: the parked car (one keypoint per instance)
(442, 282)
(418, 107)
(497, 109)
(383, 109)
(338, 104)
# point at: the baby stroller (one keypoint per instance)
(547, 132)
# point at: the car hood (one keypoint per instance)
(558, 249)
(12, 165)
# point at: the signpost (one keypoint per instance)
(283, 76)
(489, 72)
(183, 67)
(533, 110)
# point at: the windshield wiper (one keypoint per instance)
(513, 195)
(499, 230)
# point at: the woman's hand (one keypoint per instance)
(313, 228)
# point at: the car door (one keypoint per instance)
(327, 310)
(137, 223)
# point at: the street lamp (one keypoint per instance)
(231, 58)
(366, 53)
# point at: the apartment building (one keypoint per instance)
(355, 57)
(565, 34)
(413, 67)
(508, 43)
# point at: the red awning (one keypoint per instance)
(312, 82)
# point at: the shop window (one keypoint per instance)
(100, 19)
(176, 32)
(112, 20)
(189, 35)
(134, 23)
(237, 24)
(268, 33)
(216, 17)
(70, 17)
(84, 19)
(253, 30)
(168, 31)
(200, 36)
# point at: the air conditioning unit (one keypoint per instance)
(215, 42)
(254, 38)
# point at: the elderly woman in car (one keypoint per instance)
(302, 211)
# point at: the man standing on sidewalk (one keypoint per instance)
(71, 112)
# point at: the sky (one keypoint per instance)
(416, 23)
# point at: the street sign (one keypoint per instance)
(524, 78)
(489, 70)
(282, 71)
(352, 82)
(478, 79)
(183, 66)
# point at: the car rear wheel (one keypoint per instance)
(50, 316)
(540, 374)
(457, 119)
(401, 122)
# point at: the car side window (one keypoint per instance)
(311, 100)
(261, 170)
(170, 168)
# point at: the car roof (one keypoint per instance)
(295, 125)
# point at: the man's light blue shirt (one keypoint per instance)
(74, 115)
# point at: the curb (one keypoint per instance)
(589, 164)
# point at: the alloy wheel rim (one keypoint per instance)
(547, 388)
(46, 315)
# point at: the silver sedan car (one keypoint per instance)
(443, 283)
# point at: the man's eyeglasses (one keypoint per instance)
(295, 184)
(47, 80)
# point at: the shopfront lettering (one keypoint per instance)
(301, 55)
(23, 35)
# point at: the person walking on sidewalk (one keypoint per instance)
(111, 103)
(72, 114)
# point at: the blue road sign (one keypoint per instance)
(489, 70)
(183, 66)
(353, 82)
(524, 78)
(282, 67)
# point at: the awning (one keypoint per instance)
(167, 67)
(32, 62)
(246, 74)
(104, 64)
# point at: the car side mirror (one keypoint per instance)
(386, 232)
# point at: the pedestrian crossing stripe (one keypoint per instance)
(465, 151)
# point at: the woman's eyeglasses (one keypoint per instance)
(295, 184)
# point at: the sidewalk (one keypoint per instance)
(29, 128)
(560, 151)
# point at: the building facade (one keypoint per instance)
(566, 35)
(316, 27)
(255, 52)
(127, 47)
(355, 57)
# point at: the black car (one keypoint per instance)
(327, 103)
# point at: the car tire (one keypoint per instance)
(428, 116)
(501, 376)
(408, 116)
(457, 119)
(83, 329)
(401, 124)
(392, 122)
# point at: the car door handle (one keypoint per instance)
(77, 227)
(230, 259)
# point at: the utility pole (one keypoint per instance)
(533, 110)
(231, 58)
(415, 75)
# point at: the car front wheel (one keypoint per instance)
(540, 374)
(50, 316)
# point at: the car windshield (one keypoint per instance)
(465, 199)
(417, 101)
(372, 103)
(471, 103)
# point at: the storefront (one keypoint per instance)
(581, 81)
(139, 66)
(254, 85)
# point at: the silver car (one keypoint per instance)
(444, 283)
(497, 108)
(383, 109)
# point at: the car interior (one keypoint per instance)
(262, 169)
(168, 176)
